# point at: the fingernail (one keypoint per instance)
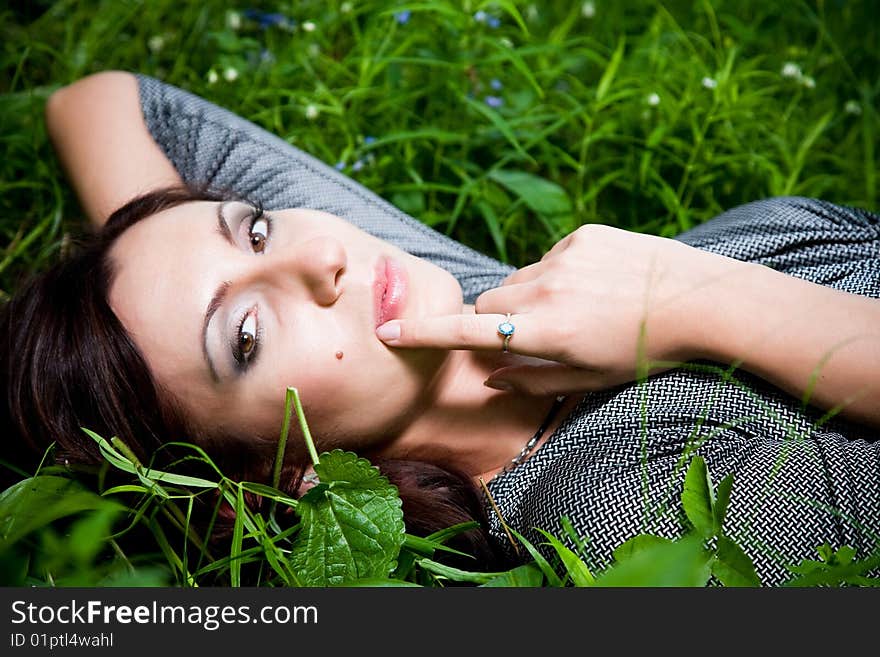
(498, 385)
(388, 331)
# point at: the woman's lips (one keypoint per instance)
(390, 288)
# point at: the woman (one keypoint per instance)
(409, 347)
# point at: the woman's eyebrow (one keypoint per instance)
(219, 295)
(222, 226)
(215, 303)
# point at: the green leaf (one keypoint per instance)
(420, 545)
(577, 569)
(610, 71)
(835, 569)
(501, 125)
(527, 575)
(379, 582)
(681, 563)
(352, 523)
(268, 492)
(88, 535)
(732, 566)
(553, 578)
(722, 499)
(697, 498)
(145, 577)
(455, 574)
(237, 536)
(494, 226)
(637, 544)
(149, 476)
(126, 488)
(541, 195)
(38, 501)
(447, 533)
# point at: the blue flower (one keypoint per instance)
(369, 140)
(482, 17)
(358, 165)
(495, 83)
(494, 101)
(402, 17)
(339, 165)
(267, 20)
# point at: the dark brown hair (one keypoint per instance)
(69, 363)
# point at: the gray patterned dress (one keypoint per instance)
(615, 466)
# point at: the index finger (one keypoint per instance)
(471, 331)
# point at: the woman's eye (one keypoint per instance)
(247, 337)
(259, 233)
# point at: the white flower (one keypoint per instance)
(852, 107)
(156, 43)
(233, 20)
(312, 111)
(710, 83)
(230, 74)
(345, 8)
(808, 82)
(791, 70)
(653, 100)
(588, 9)
(309, 26)
(212, 76)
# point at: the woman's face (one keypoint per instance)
(230, 308)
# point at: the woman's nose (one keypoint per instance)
(319, 263)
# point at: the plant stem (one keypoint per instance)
(304, 425)
(282, 440)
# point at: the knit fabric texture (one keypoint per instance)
(615, 466)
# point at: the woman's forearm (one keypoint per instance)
(98, 132)
(812, 341)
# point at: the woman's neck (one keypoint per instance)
(468, 425)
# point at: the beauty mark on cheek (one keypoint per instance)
(339, 355)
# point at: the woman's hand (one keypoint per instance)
(603, 306)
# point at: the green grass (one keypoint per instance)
(652, 117)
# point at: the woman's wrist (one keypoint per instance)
(767, 323)
(708, 320)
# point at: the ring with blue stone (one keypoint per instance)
(506, 329)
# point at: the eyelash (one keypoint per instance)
(245, 361)
(258, 214)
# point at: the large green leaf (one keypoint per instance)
(37, 501)
(667, 564)
(637, 544)
(732, 566)
(697, 498)
(541, 195)
(352, 523)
